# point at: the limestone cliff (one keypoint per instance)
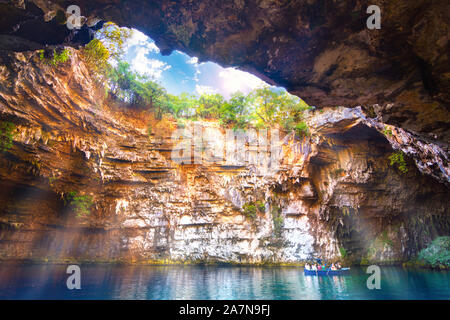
(333, 195)
(320, 50)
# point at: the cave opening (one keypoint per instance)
(181, 86)
(92, 125)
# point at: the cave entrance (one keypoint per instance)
(180, 87)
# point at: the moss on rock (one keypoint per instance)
(437, 254)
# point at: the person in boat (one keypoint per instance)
(307, 266)
(314, 267)
(338, 266)
(333, 267)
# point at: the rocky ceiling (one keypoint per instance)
(320, 50)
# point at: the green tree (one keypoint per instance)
(290, 114)
(109, 44)
(141, 92)
(272, 106)
(122, 81)
(153, 95)
(209, 105)
(181, 105)
(114, 39)
(235, 111)
(266, 103)
(96, 56)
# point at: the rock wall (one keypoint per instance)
(320, 50)
(334, 194)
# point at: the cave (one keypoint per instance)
(90, 175)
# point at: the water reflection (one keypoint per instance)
(208, 282)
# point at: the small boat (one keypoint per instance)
(328, 272)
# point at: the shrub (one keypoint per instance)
(6, 135)
(80, 204)
(254, 207)
(249, 210)
(437, 253)
(261, 206)
(301, 129)
(61, 57)
(397, 158)
(343, 252)
(57, 57)
(387, 131)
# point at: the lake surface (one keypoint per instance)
(215, 282)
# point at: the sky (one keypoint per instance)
(179, 72)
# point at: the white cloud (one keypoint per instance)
(196, 75)
(146, 66)
(206, 76)
(193, 60)
(152, 47)
(235, 80)
(139, 39)
(202, 89)
(141, 63)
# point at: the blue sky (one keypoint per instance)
(179, 72)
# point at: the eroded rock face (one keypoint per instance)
(333, 192)
(319, 50)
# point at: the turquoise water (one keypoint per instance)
(215, 282)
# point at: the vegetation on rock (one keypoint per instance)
(56, 57)
(386, 240)
(301, 129)
(6, 135)
(80, 204)
(398, 160)
(387, 131)
(343, 252)
(437, 254)
(250, 209)
(278, 221)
